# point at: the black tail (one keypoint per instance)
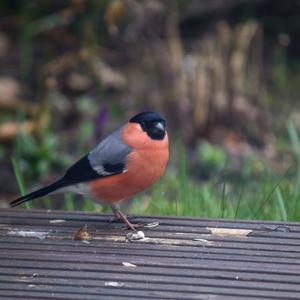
(38, 193)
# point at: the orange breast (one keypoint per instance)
(145, 165)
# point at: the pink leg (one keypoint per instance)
(116, 213)
(119, 215)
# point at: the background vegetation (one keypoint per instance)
(224, 73)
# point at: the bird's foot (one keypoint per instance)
(141, 225)
(124, 218)
(133, 226)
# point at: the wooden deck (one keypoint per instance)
(182, 258)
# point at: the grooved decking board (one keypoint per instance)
(182, 258)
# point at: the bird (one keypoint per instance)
(125, 163)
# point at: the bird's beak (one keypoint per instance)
(160, 126)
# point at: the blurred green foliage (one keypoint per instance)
(212, 158)
(209, 68)
(39, 158)
(265, 196)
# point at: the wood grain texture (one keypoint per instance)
(182, 258)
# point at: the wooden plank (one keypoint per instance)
(144, 289)
(109, 269)
(259, 230)
(117, 236)
(165, 266)
(180, 259)
(175, 283)
(163, 250)
(184, 221)
(165, 228)
(205, 255)
(146, 249)
(24, 295)
(290, 238)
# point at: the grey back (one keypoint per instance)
(109, 152)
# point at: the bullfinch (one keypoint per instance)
(125, 163)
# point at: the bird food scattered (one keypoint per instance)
(114, 284)
(128, 264)
(57, 221)
(135, 236)
(82, 235)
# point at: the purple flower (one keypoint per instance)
(101, 121)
